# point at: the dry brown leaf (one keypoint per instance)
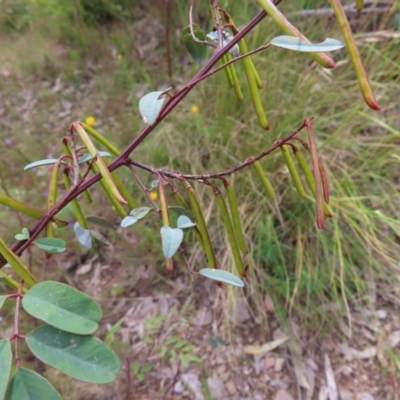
(257, 349)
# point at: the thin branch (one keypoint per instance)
(205, 42)
(249, 161)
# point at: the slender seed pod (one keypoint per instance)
(251, 80)
(100, 138)
(182, 203)
(231, 233)
(257, 77)
(201, 223)
(360, 5)
(354, 55)
(117, 205)
(227, 71)
(310, 180)
(76, 208)
(269, 190)
(235, 80)
(293, 171)
(26, 210)
(67, 151)
(102, 168)
(166, 222)
(289, 29)
(324, 181)
(237, 225)
(52, 198)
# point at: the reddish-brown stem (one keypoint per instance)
(16, 334)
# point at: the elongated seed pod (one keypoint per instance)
(227, 71)
(67, 151)
(237, 225)
(324, 181)
(231, 233)
(76, 208)
(251, 80)
(354, 54)
(310, 180)
(26, 210)
(201, 223)
(235, 80)
(360, 5)
(182, 203)
(293, 171)
(257, 77)
(289, 29)
(117, 205)
(269, 190)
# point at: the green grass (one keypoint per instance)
(77, 72)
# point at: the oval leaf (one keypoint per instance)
(20, 236)
(197, 50)
(26, 233)
(28, 385)
(127, 221)
(5, 362)
(171, 240)
(184, 222)
(296, 44)
(51, 245)
(83, 236)
(150, 106)
(99, 238)
(80, 356)
(140, 212)
(62, 306)
(221, 276)
(87, 156)
(48, 161)
(94, 219)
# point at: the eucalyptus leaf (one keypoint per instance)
(28, 385)
(5, 365)
(150, 106)
(40, 163)
(296, 44)
(51, 245)
(182, 211)
(99, 238)
(63, 307)
(83, 235)
(87, 156)
(94, 219)
(171, 240)
(140, 212)
(221, 276)
(184, 222)
(198, 51)
(82, 357)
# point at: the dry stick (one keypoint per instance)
(18, 247)
(230, 171)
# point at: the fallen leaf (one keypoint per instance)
(256, 349)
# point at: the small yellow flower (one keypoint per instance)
(90, 121)
(154, 195)
(194, 109)
(119, 57)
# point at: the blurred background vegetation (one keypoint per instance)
(69, 60)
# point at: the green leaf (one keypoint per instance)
(147, 368)
(48, 161)
(180, 343)
(99, 238)
(171, 240)
(296, 44)
(150, 106)
(189, 347)
(149, 340)
(128, 221)
(2, 300)
(193, 357)
(63, 307)
(197, 50)
(136, 367)
(163, 351)
(51, 245)
(5, 363)
(82, 357)
(182, 211)
(87, 156)
(140, 377)
(83, 235)
(140, 212)
(28, 385)
(184, 222)
(184, 360)
(211, 341)
(221, 276)
(172, 339)
(20, 236)
(94, 219)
